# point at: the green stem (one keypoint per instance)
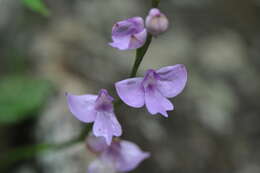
(140, 55)
(155, 3)
(141, 51)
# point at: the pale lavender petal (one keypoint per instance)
(82, 107)
(131, 155)
(131, 91)
(116, 127)
(107, 125)
(172, 80)
(154, 12)
(96, 144)
(123, 28)
(157, 103)
(98, 166)
(137, 40)
(138, 23)
(128, 27)
(121, 43)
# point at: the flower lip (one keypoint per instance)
(104, 101)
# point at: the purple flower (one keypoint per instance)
(129, 34)
(97, 109)
(123, 155)
(154, 89)
(96, 144)
(156, 22)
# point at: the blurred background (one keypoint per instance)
(51, 47)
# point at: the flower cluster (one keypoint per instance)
(132, 33)
(152, 90)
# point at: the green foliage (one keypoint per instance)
(21, 97)
(37, 6)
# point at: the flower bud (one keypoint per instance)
(156, 22)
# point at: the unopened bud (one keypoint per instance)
(156, 22)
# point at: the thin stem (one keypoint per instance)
(141, 51)
(155, 3)
(140, 55)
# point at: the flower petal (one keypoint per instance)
(107, 125)
(131, 91)
(121, 43)
(130, 156)
(104, 102)
(157, 103)
(138, 23)
(172, 80)
(96, 144)
(128, 27)
(137, 40)
(82, 107)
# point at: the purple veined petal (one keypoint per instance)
(107, 125)
(99, 166)
(138, 23)
(82, 107)
(156, 103)
(123, 28)
(132, 156)
(96, 144)
(128, 27)
(121, 43)
(131, 91)
(137, 40)
(172, 80)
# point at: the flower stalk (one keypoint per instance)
(140, 55)
(155, 3)
(142, 50)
